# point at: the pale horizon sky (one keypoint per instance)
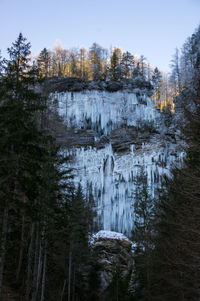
(153, 28)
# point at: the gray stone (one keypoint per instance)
(77, 138)
(112, 252)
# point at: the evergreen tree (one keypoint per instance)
(157, 81)
(75, 233)
(137, 71)
(43, 63)
(1, 65)
(95, 59)
(30, 185)
(156, 78)
(175, 77)
(20, 137)
(143, 66)
(118, 288)
(142, 236)
(115, 64)
(127, 64)
(175, 268)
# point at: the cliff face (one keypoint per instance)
(109, 138)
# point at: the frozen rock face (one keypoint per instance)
(110, 137)
(112, 250)
(112, 176)
(104, 111)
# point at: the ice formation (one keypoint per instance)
(104, 111)
(110, 175)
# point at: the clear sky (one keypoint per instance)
(153, 28)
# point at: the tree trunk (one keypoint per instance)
(63, 290)
(44, 273)
(21, 249)
(36, 264)
(3, 245)
(30, 251)
(74, 285)
(39, 269)
(70, 268)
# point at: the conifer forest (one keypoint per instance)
(99, 174)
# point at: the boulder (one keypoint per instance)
(112, 249)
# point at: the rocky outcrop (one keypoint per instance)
(102, 141)
(76, 138)
(73, 84)
(122, 138)
(113, 250)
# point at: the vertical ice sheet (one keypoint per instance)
(113, 179)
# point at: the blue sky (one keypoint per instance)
(153, 28)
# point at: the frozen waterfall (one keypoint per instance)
(110, 174)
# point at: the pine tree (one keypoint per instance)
(1, 65)
(43, 63)
(175, 77)
(142, 236)
(143, 66)
(118, 288)
(115, 64)
(95, 59)
(156, 80)
(31, 189)
(75, 229)
(175, 267)
(20, 140)
(127, 64)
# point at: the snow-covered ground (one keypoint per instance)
(110, 176)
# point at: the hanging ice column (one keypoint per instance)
(113, 180)
(104, 111)
(112, 175)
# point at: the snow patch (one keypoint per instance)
(103, 234)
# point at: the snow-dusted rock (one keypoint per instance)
(103, 234)
(113, 250)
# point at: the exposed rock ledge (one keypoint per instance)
(121, 138)
(113, 250)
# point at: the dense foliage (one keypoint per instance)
(93, 64)
(44, 220)
(173, 262)
(176, 257)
